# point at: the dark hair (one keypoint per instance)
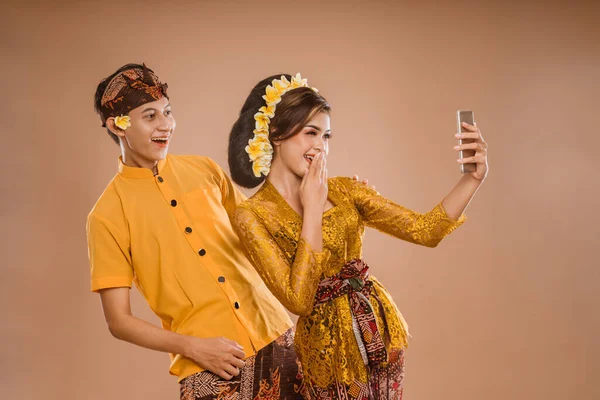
(100, 92)
(296, 108)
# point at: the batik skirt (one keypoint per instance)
(273, 373)
(385, 383)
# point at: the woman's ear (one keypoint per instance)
(110, 124)
(275, 142)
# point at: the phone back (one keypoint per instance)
(469, 118)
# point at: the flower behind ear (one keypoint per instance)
(262, 165)
(259, 148)
(123, 122)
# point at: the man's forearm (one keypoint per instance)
(142, 333)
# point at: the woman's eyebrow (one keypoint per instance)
(317, 128)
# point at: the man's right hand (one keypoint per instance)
(218, 355)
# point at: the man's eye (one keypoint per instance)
(168, 112)
(150, 116)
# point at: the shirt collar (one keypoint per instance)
(135, 172)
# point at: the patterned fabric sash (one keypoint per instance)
(353, 280)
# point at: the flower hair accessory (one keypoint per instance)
(123, 121)
(259, 147)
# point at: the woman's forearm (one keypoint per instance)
(456, 202)
(312, 228)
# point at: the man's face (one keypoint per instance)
(147, 140)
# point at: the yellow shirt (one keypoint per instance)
(270, 231)
(171, 234)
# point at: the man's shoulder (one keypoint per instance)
(196, 170)
(109, 204)
(193, 161)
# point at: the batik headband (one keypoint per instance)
(259, 147)
(128, 90)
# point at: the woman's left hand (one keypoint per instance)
(480, 147)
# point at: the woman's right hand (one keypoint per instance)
(313, 189)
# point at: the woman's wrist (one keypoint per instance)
(313, 212)
(471, 180)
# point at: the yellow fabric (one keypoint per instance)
(270, 231)
(137, 233)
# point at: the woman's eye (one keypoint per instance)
(311, 133)
(150, 116)
(327, 136)
(168, 112)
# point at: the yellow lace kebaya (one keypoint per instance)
(270, 232)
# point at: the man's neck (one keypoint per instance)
(139, 162)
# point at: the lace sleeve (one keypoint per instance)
(386, 216)
(293, 283)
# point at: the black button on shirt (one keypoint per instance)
(173, 203)
(202, 252)
(188, 230)
(160, 179)
(221, 279)
(236, 304)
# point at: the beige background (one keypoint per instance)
(505, 308)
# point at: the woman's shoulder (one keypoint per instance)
(245, 214)
(249, 204)
(256, 201)
(341, 184)
(261, 207)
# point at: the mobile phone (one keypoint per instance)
(469, 118)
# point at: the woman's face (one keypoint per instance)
(147, 140)
(296, 153)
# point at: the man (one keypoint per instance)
(163, 223)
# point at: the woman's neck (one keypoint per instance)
(285, 181)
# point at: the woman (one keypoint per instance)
(303, 233)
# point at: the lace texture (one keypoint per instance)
(270, 232)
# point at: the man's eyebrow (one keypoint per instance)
(154, 109)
